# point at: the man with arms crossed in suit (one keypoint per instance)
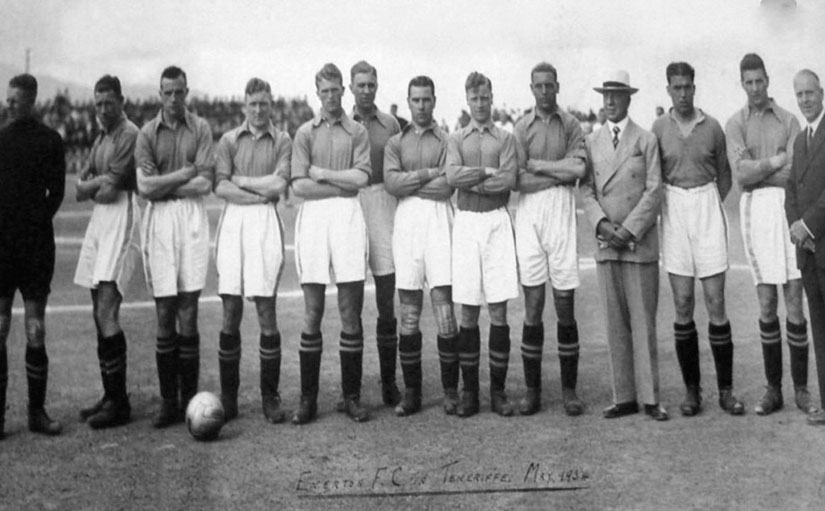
(805, 209)
(622, 194)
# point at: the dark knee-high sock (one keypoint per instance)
(568, 340)
(409, 350)
(448, 360)
(798, 344)
(270, 355)
(312, 346)
(499, 349)
(166, 357)
(532, 345)
(351, 349)
(687, 352)
(387, 342)
(721, 344)
(37, 374)
(189, 366)
(772, 351)
(469, 353)
(113, 364)
(229, 363)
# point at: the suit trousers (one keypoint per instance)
(813, 279)
(630, 295)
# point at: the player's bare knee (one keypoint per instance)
(534, 300)
(267, 318)
(411, 305)
(768, 302)
(35, 331)
(498, 313)
(469, 315)
(564, 302)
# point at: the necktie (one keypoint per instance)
(616, 131)
(810, 137)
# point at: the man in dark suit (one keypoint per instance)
(805, 209)
(622, 192)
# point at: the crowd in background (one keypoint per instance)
(75, 120)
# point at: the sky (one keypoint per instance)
(221, 44)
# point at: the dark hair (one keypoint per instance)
(25, 82)
(476, 80)
(109, 83)
(751, 62)
(544, 67)
(680, 69)
(329, 72)
(172, 72)
(257, 85)
(421, 81)
(362, 67)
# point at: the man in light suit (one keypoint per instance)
(805, 209)
(622, 192)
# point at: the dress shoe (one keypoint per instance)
(230, 407)
(692, 403)
(499, 403)
(40, 422)
(620, 410)
(531, 402)
(803, 400)
(450, 401)
(817, 418)
(657, 412)
(410, 403)
(468, 406)
(168, 414)
(353, 408)
(85, 413)
(573, 406)
(771, 401)
(390, 394)
(729, 403)
(307, 409)
(271, 405)
(112, 413)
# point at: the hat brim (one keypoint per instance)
(629, 90)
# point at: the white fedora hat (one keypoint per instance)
(618, 81)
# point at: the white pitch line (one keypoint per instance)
(586, 263)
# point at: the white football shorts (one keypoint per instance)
(175, 246)
(484, 258)
(768, 246)
(421, 243)
(111, 246)
(331, 237)
(546, 238)
(694, 231)
(249, 250)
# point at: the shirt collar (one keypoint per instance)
(476, 126)
(117, 125)
(343, 120)
(621, 124)
(433, 127)
(700, 116)
(187, 120)
(534, 116)
(815, 123)
(768, 108)
(270, 129)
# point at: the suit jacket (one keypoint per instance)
(624, 185)
(805, 193)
